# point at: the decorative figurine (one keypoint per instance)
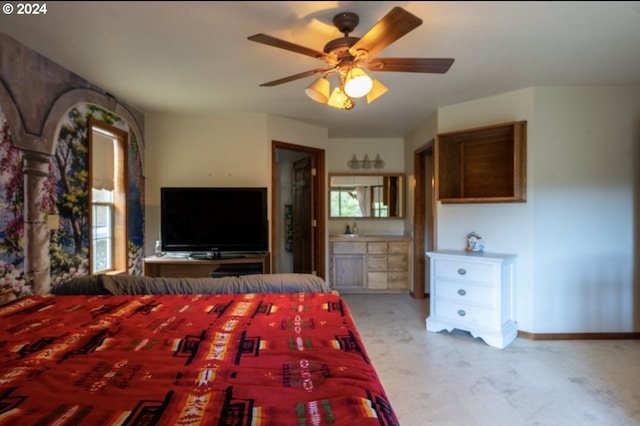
(474, 243)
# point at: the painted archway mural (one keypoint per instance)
(59, 190)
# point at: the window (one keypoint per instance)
(361, 201)
(102, 244)
(108, 198)
(344, 203)
(379, 207)
(366, 195)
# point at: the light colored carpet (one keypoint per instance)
(451, 379)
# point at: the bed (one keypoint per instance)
(219, 357)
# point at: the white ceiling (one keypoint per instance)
(194, 57)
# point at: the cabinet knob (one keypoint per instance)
(462, 313)
(462, 292)
(462, 271)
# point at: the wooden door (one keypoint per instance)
(424, 218)
(303, 217)
(317, 246)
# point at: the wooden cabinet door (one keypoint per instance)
(374, 265)
(348, 271)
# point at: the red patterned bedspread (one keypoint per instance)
(243, 359)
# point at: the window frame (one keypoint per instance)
(120, 201)
(378, 206)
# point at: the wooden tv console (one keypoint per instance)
(184, 267)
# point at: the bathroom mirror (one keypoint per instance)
(376, 196)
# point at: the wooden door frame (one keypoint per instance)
(419, 218)
(318, 194)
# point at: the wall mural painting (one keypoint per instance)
(136, 208)
(13, 283)
(64, 193)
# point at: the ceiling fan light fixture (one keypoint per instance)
(347, 57)
(319, 90)
(340, 100)
(378, 89)
(349, 104)
(357, 83)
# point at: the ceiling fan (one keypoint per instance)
(347, 56)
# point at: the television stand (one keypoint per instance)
(237, 269)
(205, 256)
(186, 267)
(232, 256)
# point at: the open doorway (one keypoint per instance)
(424, 217)
(297, 209)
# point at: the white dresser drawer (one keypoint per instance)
(444, 268)
(464, 313)
(473, 292)
(465, 292)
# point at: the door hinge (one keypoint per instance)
(314, 223)
(313, 171)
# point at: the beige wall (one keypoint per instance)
(585, 156)
(214, 150)
(391, 151)
(418, 139)
(290, 131)
(201, 150)
(235, 150)
(574, 235)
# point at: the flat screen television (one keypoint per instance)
(212, 221)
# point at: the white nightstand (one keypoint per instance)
(473, 292)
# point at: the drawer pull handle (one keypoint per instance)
(462, 292)
(462, 271)
(462, 313)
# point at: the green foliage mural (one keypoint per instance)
(65, 192)
(12, 279)
(69, 248)
(13, 197)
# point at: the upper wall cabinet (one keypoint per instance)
(482, 165)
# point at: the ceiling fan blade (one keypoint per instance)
(390, 28)
(296, 77)
(425, 65)
(282, 44)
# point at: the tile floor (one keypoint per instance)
(451, 379)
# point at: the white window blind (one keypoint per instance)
(103, 161)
